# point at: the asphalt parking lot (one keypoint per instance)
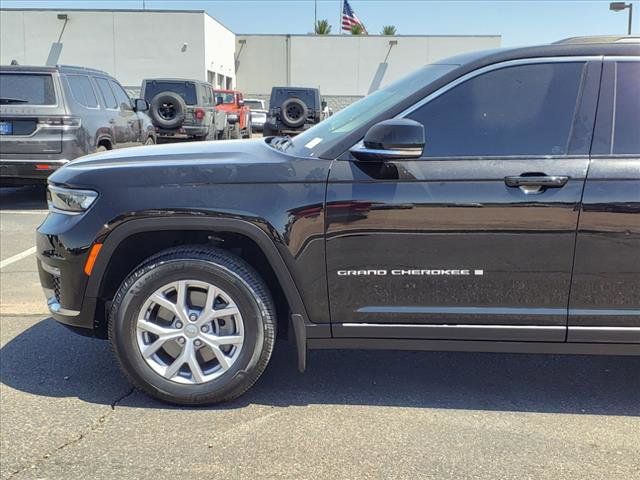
(67, 412)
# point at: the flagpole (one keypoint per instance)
(340, 16)
(315, 15)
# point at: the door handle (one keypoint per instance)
(542, 181)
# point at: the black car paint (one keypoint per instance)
(357, 211)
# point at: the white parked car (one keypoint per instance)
(258, 113)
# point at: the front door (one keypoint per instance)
(475, 240)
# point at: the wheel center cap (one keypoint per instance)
(191, 331)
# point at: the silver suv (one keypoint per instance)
(52, 115)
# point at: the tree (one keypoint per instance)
(357, 29)
(389, 30)
(322, 27)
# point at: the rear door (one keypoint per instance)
(128, 119)
(475, 240)
(605, 294)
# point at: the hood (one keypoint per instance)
(193, 163)
(227, 107)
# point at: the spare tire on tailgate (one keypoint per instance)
(294, 112)
(167, 110)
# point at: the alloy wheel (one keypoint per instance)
(190, 332)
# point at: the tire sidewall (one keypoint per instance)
(155, 276)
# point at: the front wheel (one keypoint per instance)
(193, 325)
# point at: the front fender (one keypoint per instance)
(131, 227)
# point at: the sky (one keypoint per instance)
(522, 22)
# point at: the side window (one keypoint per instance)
(519, 110)
(124, 102)
(626, 120)
(209, 94)
(82, 90)
(107, 94)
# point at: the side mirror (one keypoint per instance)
(241, 102)
(219, 100)
(395, 139)
(140, 105)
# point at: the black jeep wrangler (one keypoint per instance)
(488, 202)
(293, 110)
(184, 109)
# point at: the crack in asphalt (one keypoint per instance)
(72, 441)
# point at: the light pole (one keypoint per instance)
(620, 6)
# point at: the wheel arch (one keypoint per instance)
(266, 245)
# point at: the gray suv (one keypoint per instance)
(52, 115)
(182, 109)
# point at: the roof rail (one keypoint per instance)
(85, 69)
(599, 39)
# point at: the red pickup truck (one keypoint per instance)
(238, 114)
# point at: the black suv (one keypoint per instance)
(293, 110)
(488, 202)
(184, 109)
(52, 115)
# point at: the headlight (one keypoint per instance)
(69, 200)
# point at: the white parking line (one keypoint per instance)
(17, 257)
(24, 212)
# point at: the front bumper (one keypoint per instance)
(27, 172)
(186, 131)
(61, 255)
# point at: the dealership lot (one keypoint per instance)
(67, 412)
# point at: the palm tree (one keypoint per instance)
(389, 30)
(322, 27)
(357, 29)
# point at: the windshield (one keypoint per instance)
(187, 90)
(328, 132)
(226, 97)
(26, 89)
(254, 104)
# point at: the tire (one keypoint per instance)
(235, 131)
(236, 285)
(294, 112)
(167, 110)
(247, 130)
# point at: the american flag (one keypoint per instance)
(349, 18)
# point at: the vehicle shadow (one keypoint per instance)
(23, 198)
(50, 361)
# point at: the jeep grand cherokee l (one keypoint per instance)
(52, 115)
(488, 202)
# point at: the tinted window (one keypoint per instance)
(187, 90)
(626, 134)
(121, 96)
(107, 94)
(82, 90)
(520, 110)
(26, 89)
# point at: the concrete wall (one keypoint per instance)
(127, 44)
(219, 50)
(341, 65)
